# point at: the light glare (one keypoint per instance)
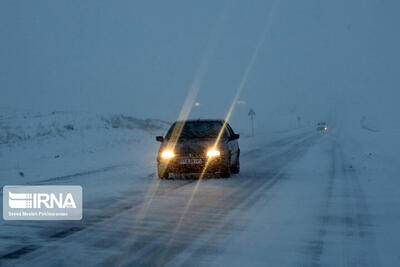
(213, 153)
(167, 154)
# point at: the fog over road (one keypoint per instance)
(296, 202)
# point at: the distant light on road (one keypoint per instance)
(197, 104)
(241, 102)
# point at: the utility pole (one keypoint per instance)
(252, 114)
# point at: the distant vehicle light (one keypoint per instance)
(326, 128)
(213, 153)
(167, 154)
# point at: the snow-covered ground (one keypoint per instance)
(74, 148)
(375, 160)
(338, 207)
(302, 198)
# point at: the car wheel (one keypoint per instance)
(226, 170)
(236, 169)
(162, 173)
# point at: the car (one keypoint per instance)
(199, 146)
(322, 126)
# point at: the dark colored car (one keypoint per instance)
(322, 126)
(197, 146)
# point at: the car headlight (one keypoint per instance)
(167, 154)
(213, 153)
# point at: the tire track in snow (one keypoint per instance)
(79, 226)
(345, 233)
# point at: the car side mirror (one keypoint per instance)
(235, 136)
(160, 138)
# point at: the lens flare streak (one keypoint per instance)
(227, 117)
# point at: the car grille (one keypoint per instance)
(191, 155)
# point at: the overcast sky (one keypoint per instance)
(141, 57)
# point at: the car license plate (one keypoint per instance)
(190, 161)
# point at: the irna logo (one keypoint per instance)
(44, 202)
(40, 200)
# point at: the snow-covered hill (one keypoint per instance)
(36, 147)
(19, 125)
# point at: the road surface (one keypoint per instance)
(297, 202)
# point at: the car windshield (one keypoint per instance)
(209, 129)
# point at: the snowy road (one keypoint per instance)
(298, 201)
